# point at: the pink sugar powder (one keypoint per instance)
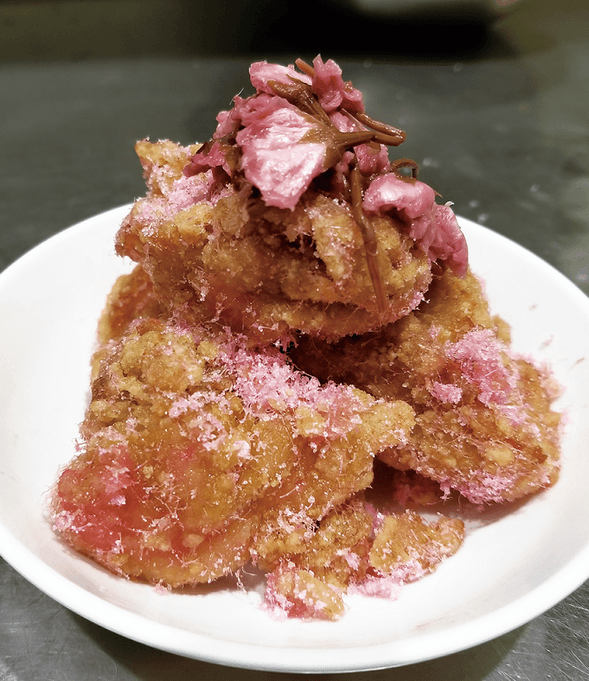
(267, 383)
(299, 602)
(445, 392)
(378, 586)
(187, 191)
(184, 193)
(480, 356)
(486, 488)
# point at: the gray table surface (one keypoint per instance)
(499, 122)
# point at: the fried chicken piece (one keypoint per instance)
(356, 549)
(484, 421)
(194, 446)
(219, 253)
(292, 218)
(132, 297)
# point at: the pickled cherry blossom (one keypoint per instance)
(434, 227)
(274, 159)
(299, 125)
(332, 91)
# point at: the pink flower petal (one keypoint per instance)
(333, 92)
(480, 355)
(433, 227)
(274, 160)
(386, 192)
(451, 244)
(244, 112)
(372, 160)
(261, 72)
(207, 158)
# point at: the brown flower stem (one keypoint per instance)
(369, 236)
(305, 68)
(301, 95)
(351, 139)
(395, 136)
(405, 163)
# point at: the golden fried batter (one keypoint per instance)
(281, 340)
(219, 253)
(484, 423)
(195, 452)
(132, 297)
(357, 549)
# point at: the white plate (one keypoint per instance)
(513, 565)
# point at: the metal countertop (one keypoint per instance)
(501, 129)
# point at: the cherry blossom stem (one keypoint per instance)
(369, 236)
(304, 67)
(405, 163)
(395, 136)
